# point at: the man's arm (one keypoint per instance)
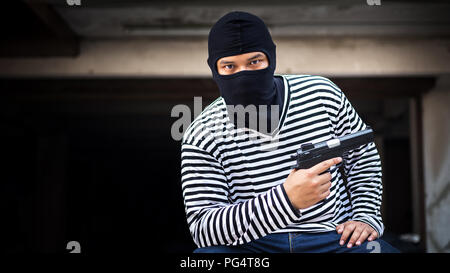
(363, 170)
(212, 217)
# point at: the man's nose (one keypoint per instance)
(241, 68)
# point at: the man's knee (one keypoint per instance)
(381, 246)
(376, 246)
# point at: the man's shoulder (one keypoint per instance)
(300, 81)
(305, 84)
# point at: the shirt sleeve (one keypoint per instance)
(362, 168)
(213, 218)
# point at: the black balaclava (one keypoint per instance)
(237, 33)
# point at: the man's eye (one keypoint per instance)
(255, 62)
(229, 66)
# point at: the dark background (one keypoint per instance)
(94, 161)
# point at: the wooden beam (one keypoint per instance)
(52, 20)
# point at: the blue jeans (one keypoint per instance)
(296, 242)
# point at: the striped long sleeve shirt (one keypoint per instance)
(232, 182)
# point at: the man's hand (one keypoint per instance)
(306, 187)
(359, 230)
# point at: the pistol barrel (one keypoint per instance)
(311, 154)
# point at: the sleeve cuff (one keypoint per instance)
(295, 211)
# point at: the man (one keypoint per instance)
(240, 191)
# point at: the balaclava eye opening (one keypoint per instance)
(238, 33)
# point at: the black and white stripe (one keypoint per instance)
(232, 181)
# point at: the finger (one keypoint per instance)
(324, 187)
(325, 165)
(373, 236)
(324, 178)
(340, 228)
(348, 229)
(364, 234)
(324, 195)
(355, 236)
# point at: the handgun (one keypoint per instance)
(311, 154)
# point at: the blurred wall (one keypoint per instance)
(436, 115)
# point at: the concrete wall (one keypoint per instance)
(183, 57)
(436, 128)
